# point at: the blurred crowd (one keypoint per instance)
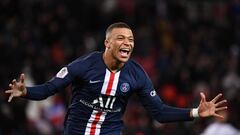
(186, 47)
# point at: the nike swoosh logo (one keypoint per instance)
(97, 81)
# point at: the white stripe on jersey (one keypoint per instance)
(95, 122)
(106, 81)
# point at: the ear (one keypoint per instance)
(106, 43)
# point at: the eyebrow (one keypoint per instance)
(125, 36)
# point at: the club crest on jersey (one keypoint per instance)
(125, 87)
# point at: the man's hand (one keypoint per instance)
(206, 109)
(17, 88)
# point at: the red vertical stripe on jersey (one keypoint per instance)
(110, 83)
(94, 123)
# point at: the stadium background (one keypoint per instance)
(186, 46)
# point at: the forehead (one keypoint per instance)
(121, 31)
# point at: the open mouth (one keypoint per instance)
(124, 52)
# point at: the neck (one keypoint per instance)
(112, 63)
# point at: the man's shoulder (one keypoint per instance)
(135, 66)
(91, 56)
(138, 73)
(87, 58)
(83, 63)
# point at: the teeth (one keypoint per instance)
(125, 50)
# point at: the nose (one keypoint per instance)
(127, 42)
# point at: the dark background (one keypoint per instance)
(186, 46)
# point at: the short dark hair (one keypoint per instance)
(117, 25)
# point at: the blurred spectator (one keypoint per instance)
(221, 127)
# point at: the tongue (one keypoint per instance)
(123, 53)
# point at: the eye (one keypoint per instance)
(120, 37)
(131, 40)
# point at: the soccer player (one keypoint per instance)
(102, 83)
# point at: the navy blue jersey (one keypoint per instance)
(99, 96)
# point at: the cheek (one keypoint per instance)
(113, 48)
(115, 45)
(132, 46)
